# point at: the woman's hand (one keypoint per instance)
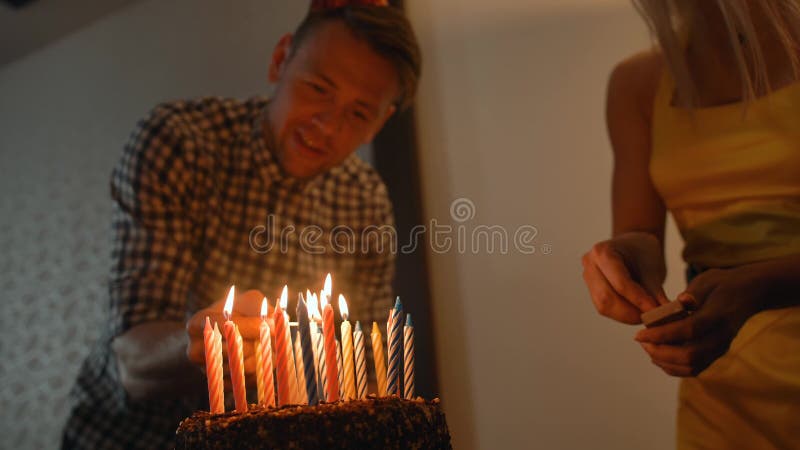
(722, 301)
(625, 276)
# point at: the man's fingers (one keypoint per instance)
(607, 302)
(613, 269)
(196, 352)
(250, 364)
(196, 324)
(248, 303)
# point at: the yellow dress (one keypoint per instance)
(732, 183)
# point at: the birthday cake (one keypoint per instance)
(374, 422)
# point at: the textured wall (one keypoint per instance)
(64, 115)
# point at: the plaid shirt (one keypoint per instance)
(200, 203)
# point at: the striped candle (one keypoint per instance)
(339, 367)
(329, 334)
(408, 381)
(302, 396)
(283, 371)
(316, 341)
(233, 340)
(379, 358)
(323, 375)
(396, 351)
(216, 388)
(348, 366)
(361, 362)
(259, 374)
(307, 351)
(265, 358)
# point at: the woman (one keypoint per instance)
(707, 127)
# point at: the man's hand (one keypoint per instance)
(246, 315)
(625, 276)
(722, 300)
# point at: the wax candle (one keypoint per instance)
(319, 349)
(339, 368)
(284, 370)
(329, 335)
(265, 358)
(394, 382)
(361, 362)
(349, 381)
(259, 373)
(307, 351)
(408, 381)
(213, 352)
(379, 358)
(321, 365)
(235, 355)
(299, 364)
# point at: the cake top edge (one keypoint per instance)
(288, 410)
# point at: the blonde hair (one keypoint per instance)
(675, 23)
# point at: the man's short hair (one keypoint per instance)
(386, 29)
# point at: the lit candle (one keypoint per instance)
(216, 388)
(349, 381)
(396, 351)
(319, 349)
(378, 357)
(321, 364)
(259, 373)
(409, 358)
(339, 367)
(265, 359)
(235, 355)
(329, 334)
(299, 364)
(307, 353)
(361, 362)
(283, 357)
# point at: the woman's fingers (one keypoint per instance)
(607, 302)
(614, 270)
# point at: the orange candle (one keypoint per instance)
(329, 334)
(283, 369)
(235, 355)
(216, 388)
(265, 359)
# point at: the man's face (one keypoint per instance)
(331, 96)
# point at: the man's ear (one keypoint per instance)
(280, 56)
(389, 112)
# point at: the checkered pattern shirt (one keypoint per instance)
(200, 203)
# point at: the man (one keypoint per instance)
(215, 192)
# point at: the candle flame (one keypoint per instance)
(343, 307)
(228, 309)
(323, 300)
(264, 308)
(285, 297)
(328, 286)
(313, 308)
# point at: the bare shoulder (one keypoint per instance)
(633, 82)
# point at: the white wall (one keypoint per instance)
(511, 117)
(65, 113)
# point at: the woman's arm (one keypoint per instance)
(636, 206)
(625, 274)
